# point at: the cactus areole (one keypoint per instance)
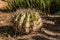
(27, 21)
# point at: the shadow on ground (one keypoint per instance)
(7, 30)
(39, 38)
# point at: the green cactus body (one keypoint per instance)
(28, 21)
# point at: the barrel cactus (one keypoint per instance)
(27, 20)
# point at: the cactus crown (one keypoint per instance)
(27, 20)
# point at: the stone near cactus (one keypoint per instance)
(3, 5)
(5, 19)
(27, 20)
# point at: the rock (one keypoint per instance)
(5, 19)
(3, 5)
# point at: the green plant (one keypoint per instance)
(44, 5)
(55, 6)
